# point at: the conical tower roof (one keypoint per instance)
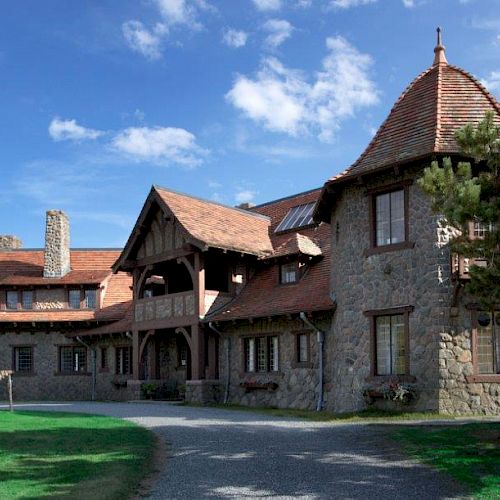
(424, 119)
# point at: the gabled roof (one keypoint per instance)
(263, 295)
(423, 121)
(217, 225)
(206, 224)
(88, 266)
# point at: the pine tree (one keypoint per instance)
(470, 192)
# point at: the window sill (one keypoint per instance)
(394, 379)
(483, 378)
(405, 245)
(302, 364)
(72, 374)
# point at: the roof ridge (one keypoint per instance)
(277, 200)
(384, 123)
(75, 249)
(479, 85)
(437, 134)
(204, 200)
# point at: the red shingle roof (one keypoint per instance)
(217, 225)
(93, 266)
(422, 123)
(424, 119)
(264, 295)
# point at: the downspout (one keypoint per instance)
(320, 337)
(94, 365)
(227, 341)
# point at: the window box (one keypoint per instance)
(252, 385)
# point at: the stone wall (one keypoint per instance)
(57, 245)
(418, 277)
(439, 329)
(297, 387)
(47, 383)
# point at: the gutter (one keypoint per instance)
(94, 365)
(320, 337)
(227, 341)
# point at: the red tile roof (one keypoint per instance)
(217, 225)
(425, 118)
(422, 123)
(263, 295)
(92, 266)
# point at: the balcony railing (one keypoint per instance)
(165, 307)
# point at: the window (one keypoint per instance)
(90, 299)
(12, 299)
(303, 348)
(124, 360)
(23, 359)
(261, 354)
(72, 359)
(104, 358)
(487, 343)
(390, 218)
(27, 299)
(74, 298)
(479, 229)
(182, 350)
(289, 273)
(390, 345)
(299, 216)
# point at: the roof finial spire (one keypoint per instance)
(439, 50)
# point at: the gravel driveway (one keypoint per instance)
(216, 453)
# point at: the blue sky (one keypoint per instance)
(230, 100)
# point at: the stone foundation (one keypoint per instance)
(203, 391)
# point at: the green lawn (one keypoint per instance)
(470, 453)
(326, 416)
(67, 455)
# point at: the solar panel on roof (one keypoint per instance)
(301, 215)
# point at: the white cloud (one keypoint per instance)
(303, 4)
(346, 4)
(285, 100)
(159, 145)
(69, 130)
(409, 3)
(279, 30)
(173, 13)
(244, 196)
(141, 39)
(493, 81)
(234, 38)
(266, 5)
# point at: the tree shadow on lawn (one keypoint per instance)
(72, 462)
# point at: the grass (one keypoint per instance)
(326, 416)
(470, 453)
(68, 455)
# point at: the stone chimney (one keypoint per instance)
(9, 242)
(57, 255)
(245, 206)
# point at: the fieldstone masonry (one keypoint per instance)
(57, 250)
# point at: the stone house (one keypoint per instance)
(324, 299)
(402, 316)
(46, 297)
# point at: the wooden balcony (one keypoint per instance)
(165, 311)
(460, 266)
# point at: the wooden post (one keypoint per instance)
(9, 381)
(135, 354)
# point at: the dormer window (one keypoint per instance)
(90, 299)
(27, 299)
(289, 273)
(74, 297)
(12, 299)
(479, 230)
(299, 216)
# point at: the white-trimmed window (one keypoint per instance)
(123, 360)
(390, 345)
(289, 273)
(261, 354)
